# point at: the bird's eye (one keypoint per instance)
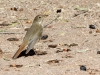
(39, 16)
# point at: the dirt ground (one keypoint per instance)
(72, 47)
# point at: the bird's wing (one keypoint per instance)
(32, 42)
(33, 39)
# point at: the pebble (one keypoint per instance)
(98, 52)
(44, 37)
(92, 26)
(59, 11)
(83, 68)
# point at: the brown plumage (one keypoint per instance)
(33, 34)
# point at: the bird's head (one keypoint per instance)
(39, 18)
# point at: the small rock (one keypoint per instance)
(28, 21)
(91, 26)
(83, 68)
(59, 11)
(98, 52)
(44, 37)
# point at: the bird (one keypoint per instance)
(33, 35)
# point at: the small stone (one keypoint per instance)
(91, 26)
(98, 52)
(59, 11)
(83, 68)
(44, 37)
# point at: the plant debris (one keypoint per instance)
(98, 31)
(40, 52)
(53, 61)
(6, 59)
(73, 44)
(64, 50)
(17, 66)
(13, 39)
(52, 46)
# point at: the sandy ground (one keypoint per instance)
(75, 43)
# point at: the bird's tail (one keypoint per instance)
(19, 51)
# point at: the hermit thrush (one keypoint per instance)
(33, 34)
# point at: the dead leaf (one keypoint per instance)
(17, 66)
(13, 39)
(40, 52)
(6, 59)
(73, 44)
(53, 61)
(98, 31)
(52, 46)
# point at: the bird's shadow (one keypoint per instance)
(30, 53)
